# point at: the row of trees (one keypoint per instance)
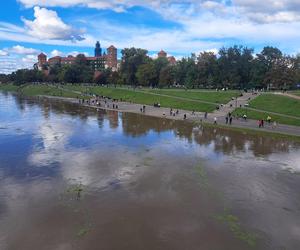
(233, 67)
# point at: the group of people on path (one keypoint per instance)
(173, 112)
(228, 118)
(269, 121)
(96, 101)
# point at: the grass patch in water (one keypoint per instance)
(235, 227)
(147, 161)
(83, 231)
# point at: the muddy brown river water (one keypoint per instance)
(74, 178)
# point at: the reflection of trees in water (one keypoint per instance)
(135, 125)
(113, 118)
(229, 141)
(20, 103)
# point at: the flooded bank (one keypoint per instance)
(74, 178)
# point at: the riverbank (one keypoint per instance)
(249, 126)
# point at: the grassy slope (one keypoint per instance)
(145, 98)
(276, 103)
(202, 95)
(256, 115)
(9, 87)
(33, 90)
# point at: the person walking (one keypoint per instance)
(230, 120)
(215, 120)
(205, 115)
(226, 119)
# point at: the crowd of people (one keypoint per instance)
(107, 102)
(101, 101)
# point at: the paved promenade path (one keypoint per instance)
(288, 95)
(197, 116)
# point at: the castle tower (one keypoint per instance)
(42, 59)
(98, 50)
(111, 58)
(162, 54)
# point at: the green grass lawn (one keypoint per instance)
(257, 115)
(34, 90)
(277, 103)
(221, 97)
(149, 99)
(9, 87)
(116, 93)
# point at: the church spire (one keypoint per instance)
(98, 50)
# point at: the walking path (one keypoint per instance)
(197, 116)
(288, 95)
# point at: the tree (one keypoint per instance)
(146, 74)
(131, 59)
(166, 76)
(207, 69)
(263, 65)
(159, 64)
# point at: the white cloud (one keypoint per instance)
(29, 59)
(3, 53)
(18, 49)
(266, 11)
(48, 25)
(75, 53)
(12, 63)
(56, 53)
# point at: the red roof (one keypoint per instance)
(42, 54)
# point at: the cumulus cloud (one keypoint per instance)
(255, 10)
(17, 57)
(48, 25)
(3, 53)
(75, 53)
(269, 11)
(18, 49)
(56, 52)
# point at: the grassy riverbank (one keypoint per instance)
(286, 110)
(221, 97)
(35, 90)
(258, 115)
(143, 97)
(277, 103)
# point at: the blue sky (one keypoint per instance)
(62, 27)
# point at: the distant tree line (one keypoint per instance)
(234, 67)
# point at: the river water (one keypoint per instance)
(74, 178)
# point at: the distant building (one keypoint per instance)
(42, 61)
(97, 63)
(163, 54)
(111, 58)
(98, 50)
(172, 60)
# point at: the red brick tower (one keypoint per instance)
(42, 59)
(111, 58)
(162, 54)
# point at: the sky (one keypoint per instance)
(180, 27)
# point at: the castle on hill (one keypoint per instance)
(98, 62)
